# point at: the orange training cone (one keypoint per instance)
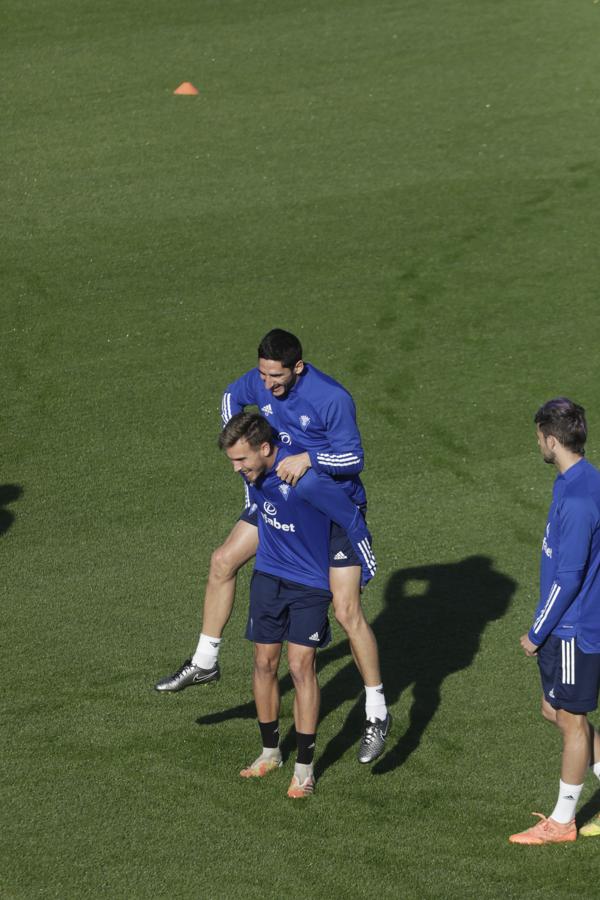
(186, 87)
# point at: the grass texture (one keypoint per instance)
(413, 187)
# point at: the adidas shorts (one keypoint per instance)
(282, 610)
(341, 551)
(570, 678)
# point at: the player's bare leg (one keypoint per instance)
(266, 697)
(226, 561)
(344, 584)
(264, 681)
(345, 587)
(592, 829)
(302, 663)
(579, 745)
(239, 547)
(550, 714)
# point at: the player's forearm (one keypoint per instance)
(344, 463)
(550, 611)
(231, 403)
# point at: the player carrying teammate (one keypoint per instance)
(316, 421)
(289, 593)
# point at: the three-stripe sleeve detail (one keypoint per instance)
(368, 556)
(338, 460)
(554, 592)
(226, 408)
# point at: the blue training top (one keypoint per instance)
(317, 416)
(294, 525)
(569, 573)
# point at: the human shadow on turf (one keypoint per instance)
(430, 627)
(9, 493)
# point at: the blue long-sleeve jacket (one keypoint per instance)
(294, 525)
(318, 416)
(569, 603)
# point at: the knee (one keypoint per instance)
(548, 712)
(223, 564)
(265, 666)
(302, 671)
(348, 613)
(572, 723)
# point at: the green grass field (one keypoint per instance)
(413, 187)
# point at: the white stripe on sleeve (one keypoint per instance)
(368, 556)
(554, 592)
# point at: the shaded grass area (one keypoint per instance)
(411, 187)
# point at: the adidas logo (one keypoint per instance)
(314, 637)
(268, 409)
(304, 422)
(340, 555)
(551, 694)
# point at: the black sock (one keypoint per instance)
(306, 747)
(269, 732)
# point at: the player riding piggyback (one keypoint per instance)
(317, 417)
(314, 419)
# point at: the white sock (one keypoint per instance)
(568, 795)
(271, 753)
(207, 652)
(596, 769)
(375, 707)
(302, 771)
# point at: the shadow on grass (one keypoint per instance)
(430, 627)
(9, 493)
(589, 810)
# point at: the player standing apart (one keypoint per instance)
(565, 635)
(315, 418)
(289, 594)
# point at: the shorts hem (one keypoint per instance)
(312, 644)
(578, 708)
(254, 641)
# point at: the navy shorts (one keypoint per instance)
(282, 610)
(570, 678)
(341, 551)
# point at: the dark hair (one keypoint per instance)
(281, 346)
(565, 421)
(248, 427)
